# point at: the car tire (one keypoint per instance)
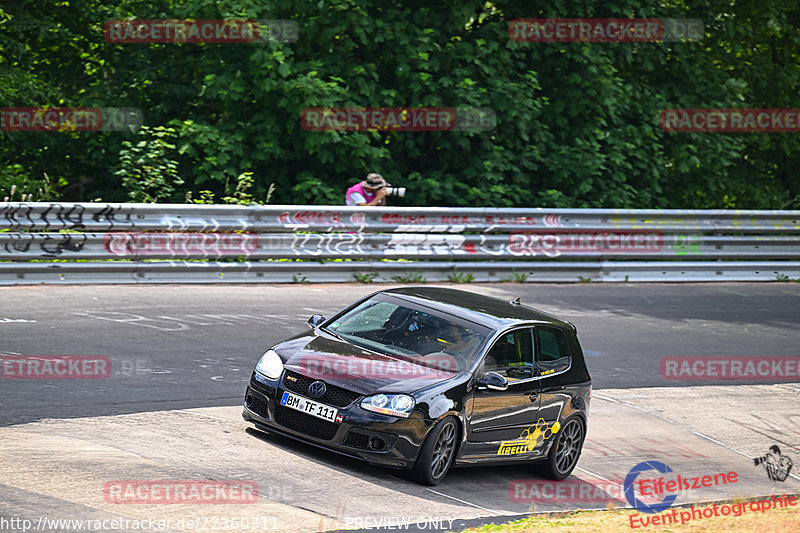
(565, 451)
(437, 453)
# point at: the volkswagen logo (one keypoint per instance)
(317, 389)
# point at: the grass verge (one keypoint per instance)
(773, 520)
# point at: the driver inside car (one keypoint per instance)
(511, 356)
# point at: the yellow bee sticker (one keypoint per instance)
(530, 439)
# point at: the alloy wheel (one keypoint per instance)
(569, 446)
(443, 450)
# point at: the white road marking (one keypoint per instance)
(199, 414)
(497, 513)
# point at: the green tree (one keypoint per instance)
(577, 123)
(148, 174)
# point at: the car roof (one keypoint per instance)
(486, 310)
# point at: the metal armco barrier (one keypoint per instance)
(128, 243)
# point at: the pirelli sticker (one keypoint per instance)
(530, 439)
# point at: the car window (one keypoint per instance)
(370, 317)
(511, 356)
(553, 353)
(415, 334)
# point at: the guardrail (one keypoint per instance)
(128, 243)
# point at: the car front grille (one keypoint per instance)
(306, 424)
(357, 439)
(334, 395)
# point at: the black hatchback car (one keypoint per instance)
(423, 378)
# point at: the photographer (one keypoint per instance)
(777, 466)
(371, 191)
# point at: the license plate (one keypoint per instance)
(310, 407)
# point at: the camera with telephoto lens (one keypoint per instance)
(395, 191)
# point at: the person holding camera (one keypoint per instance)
(371, 191)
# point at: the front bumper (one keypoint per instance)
(378, 439)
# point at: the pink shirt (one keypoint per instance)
(356, 195)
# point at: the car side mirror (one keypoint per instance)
(316, 320)
(520, 371)
(493, 381)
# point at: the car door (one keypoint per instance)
(552, 362)
(499, 420)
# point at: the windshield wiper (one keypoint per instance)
(338, 336)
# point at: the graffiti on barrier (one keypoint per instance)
(23, 216)
(51, 244)
(180, 243)
(315, 244)
(305, 219)
(425, 244)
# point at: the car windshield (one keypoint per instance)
(433, 340)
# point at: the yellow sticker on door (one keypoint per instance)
(530, 438)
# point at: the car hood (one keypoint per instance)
(340, 363)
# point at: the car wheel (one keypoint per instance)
(564, 452)
(437, 453)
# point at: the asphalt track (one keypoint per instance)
(181, 357)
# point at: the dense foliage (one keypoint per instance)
(577, 123)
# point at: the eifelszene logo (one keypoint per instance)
(670, 488)
(630, 479)
(777, 465)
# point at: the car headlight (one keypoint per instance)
(389, 404)
(270, 365)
